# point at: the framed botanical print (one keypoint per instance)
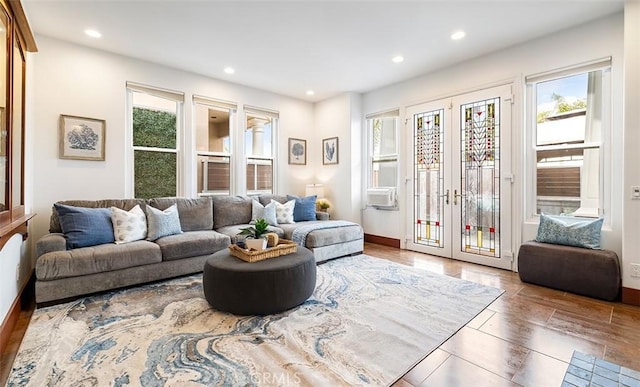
(297, 151)
(82, 138)
(330, 150)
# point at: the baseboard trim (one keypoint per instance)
(380, 240)
(631, 296)
(14, 313)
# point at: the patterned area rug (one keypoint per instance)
(368, 322)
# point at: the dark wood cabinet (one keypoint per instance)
(17, 39)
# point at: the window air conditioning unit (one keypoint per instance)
(381, 196)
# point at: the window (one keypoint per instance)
(213, 120)
(383, 149)
(156, 120)
(569, 115)
(260, 137)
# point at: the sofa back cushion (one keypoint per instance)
(124, 204)
(231, 210)
(195, 214)
(265, 199)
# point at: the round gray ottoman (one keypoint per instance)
(265, 287)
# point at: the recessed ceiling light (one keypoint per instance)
(458, 35)
(310, 92)
(92, 33)
(229, 70)
(397, 59)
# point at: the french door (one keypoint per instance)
(460, 191)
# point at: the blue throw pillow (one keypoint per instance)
(570, 231)
(85, 226)
(305, 208)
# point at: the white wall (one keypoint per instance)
(631, 241)
(76, 80)
(340, 117)
(595, 40)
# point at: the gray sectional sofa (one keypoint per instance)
(209, 224)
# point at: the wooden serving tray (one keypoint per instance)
(284, 247)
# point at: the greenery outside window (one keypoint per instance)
(156, 120)
(569, 117)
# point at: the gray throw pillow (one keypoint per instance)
(162, 223)
(267, 212)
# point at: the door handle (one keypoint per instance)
(446, 196)
(455, 197)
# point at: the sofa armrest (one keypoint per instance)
(322, 215)
(51, 242)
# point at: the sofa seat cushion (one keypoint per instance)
(233, 231)
(192, 244)
(326, 236)
(96, 259)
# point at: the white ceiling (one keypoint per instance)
(289, 47)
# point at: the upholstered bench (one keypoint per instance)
(589, 272)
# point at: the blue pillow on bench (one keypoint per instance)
(85, 227)
(570, 231)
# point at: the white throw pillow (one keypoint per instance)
(284, 212)
(267, 212)
(162, 223)
(128, 226)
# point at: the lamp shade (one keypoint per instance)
(314, 189)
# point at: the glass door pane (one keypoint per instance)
(429, 225)
(480, 177)
(429, 195)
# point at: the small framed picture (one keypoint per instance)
(82, 138)
(297, 151)
(330, 150)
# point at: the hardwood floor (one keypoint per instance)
(526, 337)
